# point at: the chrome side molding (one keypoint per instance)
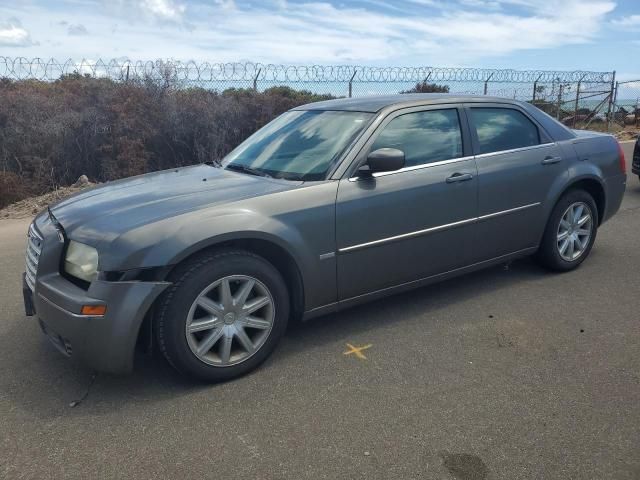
(439, 228)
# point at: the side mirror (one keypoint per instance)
(385, 160)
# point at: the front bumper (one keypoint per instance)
(105, 343)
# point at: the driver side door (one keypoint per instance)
(397, 227)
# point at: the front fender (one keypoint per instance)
(305, 234)
(171, 241)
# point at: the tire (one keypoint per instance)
(192, 314)
(550, 254)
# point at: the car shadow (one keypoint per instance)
(423, 301)
(61, 386)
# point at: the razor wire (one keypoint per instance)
(20, 68)
(563, 94)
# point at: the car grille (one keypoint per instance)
(34, 248)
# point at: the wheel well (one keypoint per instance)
(283, 262)
(594, 189)
(273, 253)
(278, 257)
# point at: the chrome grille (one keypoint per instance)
(34, 247)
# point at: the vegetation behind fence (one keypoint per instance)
(107, 120)
(53, 132)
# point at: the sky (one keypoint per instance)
(599, 35)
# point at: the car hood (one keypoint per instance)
(119, 206)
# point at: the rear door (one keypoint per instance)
(518, 163)
(397, 227)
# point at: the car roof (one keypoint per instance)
(377, 103)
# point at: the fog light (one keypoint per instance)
(96, 310)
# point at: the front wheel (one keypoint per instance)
(570, 232)
(223, 315)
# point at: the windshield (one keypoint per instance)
(298, 145)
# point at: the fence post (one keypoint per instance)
(535, 88)
(575, 109)
(613, 97)
(561, 87)
(486, 82)
(255, 80)
(127, 78)
(351, 82)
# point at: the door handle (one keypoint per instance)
(459, 177)
(550, 160)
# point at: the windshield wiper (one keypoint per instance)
(293, 177)
(245, 169)
(214, 163)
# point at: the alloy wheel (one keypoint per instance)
(574, 231)
(230, 320)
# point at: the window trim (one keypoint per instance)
(543, 136)
(465, 135)
(417, 167)
(514, 150)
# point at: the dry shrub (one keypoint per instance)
(53, 132)
(11, 188)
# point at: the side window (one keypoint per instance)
(503, 129)
(424, 137)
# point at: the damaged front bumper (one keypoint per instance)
(106, 342)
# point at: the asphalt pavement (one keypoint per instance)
(509, 373)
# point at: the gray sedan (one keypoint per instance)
(330, 205)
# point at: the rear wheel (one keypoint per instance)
(570, 232)
(223, 315)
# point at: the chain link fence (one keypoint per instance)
(626, 104)
(118, 118)
(577, 98)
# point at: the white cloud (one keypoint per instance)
(231, 4)
(571, 22)
(163, 9)
(12, 34)
(484, 4)
(321, 31)
(77, 29)
(631, 21)
(425, 32)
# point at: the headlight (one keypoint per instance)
(81, 261)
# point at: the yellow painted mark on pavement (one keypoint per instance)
(357, 351)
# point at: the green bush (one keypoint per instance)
(426, 87)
